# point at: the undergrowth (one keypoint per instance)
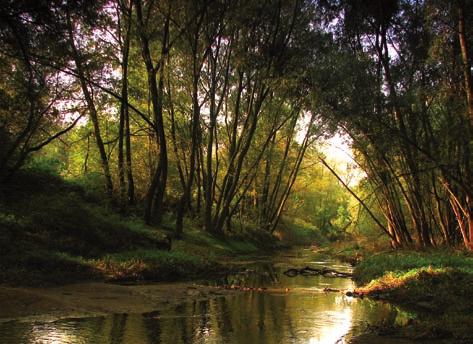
(55, 231)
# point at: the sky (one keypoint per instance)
(337, 148)
(339, 154)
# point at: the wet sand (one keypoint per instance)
(96, 298)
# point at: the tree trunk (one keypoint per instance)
(465, 59)
(123, 134)
(156, 190)
(91, 108)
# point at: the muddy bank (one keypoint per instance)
(95, 298)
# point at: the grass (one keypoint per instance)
(153, 265)
(53, 231)
(436, 284)
(399, 263)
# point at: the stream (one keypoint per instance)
(266, 307)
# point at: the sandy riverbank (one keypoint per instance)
(95, 298)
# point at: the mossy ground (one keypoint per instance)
(54, 231)
(437, 284)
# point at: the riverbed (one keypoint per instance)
(259, 304)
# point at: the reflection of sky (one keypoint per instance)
(331, 322)
(339, 325)
(314, 319)
(50, 334)
(302, 314)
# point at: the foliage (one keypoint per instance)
(295, 231)
(151, 92)
(319, 207)
(211, 111)
(45, 164)
(152, 265)
(409, 127)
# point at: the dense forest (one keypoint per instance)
(186, 140)
(210, 110)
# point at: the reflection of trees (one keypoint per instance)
(264, 318)
(204, 318)
(118, 327)
(253, 317)
(137, 330)
(376, 313)
(224, 322)
(264, 274)
(249, 317)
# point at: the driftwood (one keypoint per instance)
(308, 271)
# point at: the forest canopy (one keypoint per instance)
(213, 110)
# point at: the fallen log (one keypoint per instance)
(291, 272)
(308, 271)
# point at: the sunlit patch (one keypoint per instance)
(338, 151)
(50, 334)
(205, 334)
(339, 325)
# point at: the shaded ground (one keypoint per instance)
(54, 231)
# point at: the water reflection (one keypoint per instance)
(302, 314)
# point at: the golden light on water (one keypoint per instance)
(49, 334)
(339, 325)
(303, 314)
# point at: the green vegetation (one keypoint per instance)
(211, 112)
(398, 264)
(55, 231)
(299, 232)
(201, 121)
(435, 284)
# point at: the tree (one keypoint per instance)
(156, 190)
(31, 95)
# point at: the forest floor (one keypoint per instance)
(436, 284)
(54, 232)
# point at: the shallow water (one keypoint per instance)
(289, 310)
